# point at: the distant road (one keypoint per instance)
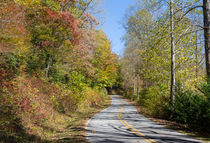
(121, 123)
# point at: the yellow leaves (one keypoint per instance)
(68, 43)
(105, 61)
(22, 50)
(29, 3)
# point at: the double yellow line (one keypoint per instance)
(131, 128)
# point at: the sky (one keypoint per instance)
(115, 10)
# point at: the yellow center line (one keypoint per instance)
(131, 128)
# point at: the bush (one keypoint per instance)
(193, 108)
(155, 99)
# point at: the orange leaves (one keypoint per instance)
(47, 43)
(12, 26)
(67, 1)
(52, 14)
(67, 17)
(91, 19)
(69, 20)
(12, 15)
(62, 22)
(32, 96)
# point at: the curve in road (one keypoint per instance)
(121, 123)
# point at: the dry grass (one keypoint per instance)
(39, 121)
(69, 128)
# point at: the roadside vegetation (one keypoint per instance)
(159, 35)
(54, 69)
(56, 66)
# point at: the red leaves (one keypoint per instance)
(69, 19)
(22, 29)
(32, 97)
(38, 47)
(47, 43)
(6, 75)
(66, 1)
(91, 19)
(52, 14)
(12, 18)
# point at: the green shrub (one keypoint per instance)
(193, 108)
(155, 99)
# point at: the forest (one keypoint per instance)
(165, 65)
(56, 64)
(53, 61)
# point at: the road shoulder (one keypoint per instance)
(203, 137)
(89, 115)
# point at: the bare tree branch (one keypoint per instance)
(85, 8)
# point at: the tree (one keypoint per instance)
(206, 14)
(173, 80)
(152, 33)
(13, 34)
(104, 61)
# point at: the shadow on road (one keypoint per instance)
(108, 128)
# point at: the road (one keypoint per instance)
(121, 123)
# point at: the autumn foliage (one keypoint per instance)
(147, 62)
(52, 61)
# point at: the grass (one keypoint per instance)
(199, 135)
(71, 128)
(60, 128)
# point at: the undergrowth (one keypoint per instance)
(33, 109)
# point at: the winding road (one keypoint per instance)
(121, 123)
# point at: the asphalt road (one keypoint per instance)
(121, 123)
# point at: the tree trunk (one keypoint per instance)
(172, 96)
(48, 66)
(137, 87)
(196, 55)
(134, 86)
(206, 15)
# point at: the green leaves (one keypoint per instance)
(105, 61)
(54, 5)
(146, 62)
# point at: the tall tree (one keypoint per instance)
(206, 14)
(172, 54)
(156, 37)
